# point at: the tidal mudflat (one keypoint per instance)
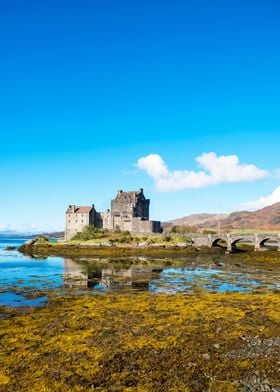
(204, 322)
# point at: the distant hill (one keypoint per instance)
(14, 234)
(199, 220)
(17, 234)
(267, 218)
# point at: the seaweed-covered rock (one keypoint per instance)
(27, 245)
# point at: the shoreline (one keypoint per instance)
(76, 250)
(36, 248)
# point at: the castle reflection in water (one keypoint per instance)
(95, 276)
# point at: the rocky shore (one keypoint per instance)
(157, 250)
(105, 249)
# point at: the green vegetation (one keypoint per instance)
(254, 231)
(209, 231)
(143, 343)
(90, 233)
(214, 230)
(93, 235)
(182, 229)
(78, 249)
(41, 239)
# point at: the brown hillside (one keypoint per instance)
(200, 220)
(267, 218)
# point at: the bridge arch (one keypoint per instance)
(263, 241)
(216, 241)
(275, 243)
(243, 239)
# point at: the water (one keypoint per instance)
(21, 275)
(26, 281)
(185, 279)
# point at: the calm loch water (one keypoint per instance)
(26, 281)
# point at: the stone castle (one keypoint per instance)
(129, 211)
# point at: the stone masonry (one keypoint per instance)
(77, 218)
(129, 211)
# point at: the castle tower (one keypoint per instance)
(129, 205)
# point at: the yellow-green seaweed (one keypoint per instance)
(141, 342)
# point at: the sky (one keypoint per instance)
(180, 98)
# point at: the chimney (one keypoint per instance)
(72, 207)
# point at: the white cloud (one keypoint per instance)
(264, 201)
(215, 170)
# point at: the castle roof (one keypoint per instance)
(79, 209)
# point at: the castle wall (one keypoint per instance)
(121, 208)
(141, 209)
(145, 226)
(156, 227)
(75, 222)
(106, 220)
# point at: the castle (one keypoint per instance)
(129, 211)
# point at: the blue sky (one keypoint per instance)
(87, 88)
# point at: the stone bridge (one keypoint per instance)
(230, 239)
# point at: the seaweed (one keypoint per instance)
(142, 342)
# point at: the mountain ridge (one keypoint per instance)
(267, 218)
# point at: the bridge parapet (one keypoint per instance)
(258, 240)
